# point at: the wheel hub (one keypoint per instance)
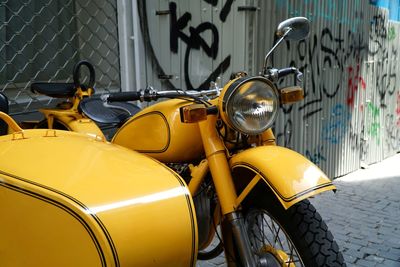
(274, 257)
(268, 260)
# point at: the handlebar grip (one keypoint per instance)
(286, 71)
(123, 96)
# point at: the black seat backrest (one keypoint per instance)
(60, 90)
(3, 108)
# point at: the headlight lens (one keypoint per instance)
(251, 106)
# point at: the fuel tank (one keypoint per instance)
(68, 199)
(158, 132)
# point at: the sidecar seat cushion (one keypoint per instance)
(3, 108)
(59, 90)
(114, 113)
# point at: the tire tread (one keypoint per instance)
(319, 241)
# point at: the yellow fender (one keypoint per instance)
(290, 176)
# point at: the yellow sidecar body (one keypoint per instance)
(69, 199)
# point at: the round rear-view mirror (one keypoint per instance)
(295, 29)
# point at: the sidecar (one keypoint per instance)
(69, 199)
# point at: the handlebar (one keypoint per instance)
(287, 71)
(275, 74)
(150, 95)
(122, 96)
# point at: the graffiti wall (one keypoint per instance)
(351, 112)
(350, 63)
(188, 44)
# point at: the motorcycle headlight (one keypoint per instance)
(250, 105)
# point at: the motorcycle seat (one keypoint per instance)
(3, 108)
(58, 90)
(113, 113)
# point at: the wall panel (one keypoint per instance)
(351, 113)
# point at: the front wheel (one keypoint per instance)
(294, 237)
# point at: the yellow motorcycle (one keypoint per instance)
(221, 143)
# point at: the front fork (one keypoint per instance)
(225, 188)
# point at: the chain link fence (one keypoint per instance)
(41, 40)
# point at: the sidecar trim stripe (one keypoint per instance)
(286, 199)
(192, 260)
(64, 208)
(192, 218)
(103, 228)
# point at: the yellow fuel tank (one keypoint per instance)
(158, 132)
(67, 199)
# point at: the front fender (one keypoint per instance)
(290, 176)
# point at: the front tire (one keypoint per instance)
(295, 237)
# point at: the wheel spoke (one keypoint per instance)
(264, 236)
(255, 236)
(277, 235)
(272, 231)
(259, 234)
(291, 256)
(264, 230)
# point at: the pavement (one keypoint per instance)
(363, 216)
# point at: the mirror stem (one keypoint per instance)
(264, 69)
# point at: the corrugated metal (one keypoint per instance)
(202, 33)
(351, 113)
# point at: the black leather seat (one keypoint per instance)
(114, 113)
(3, 108)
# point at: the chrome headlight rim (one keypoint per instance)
(229, 93)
